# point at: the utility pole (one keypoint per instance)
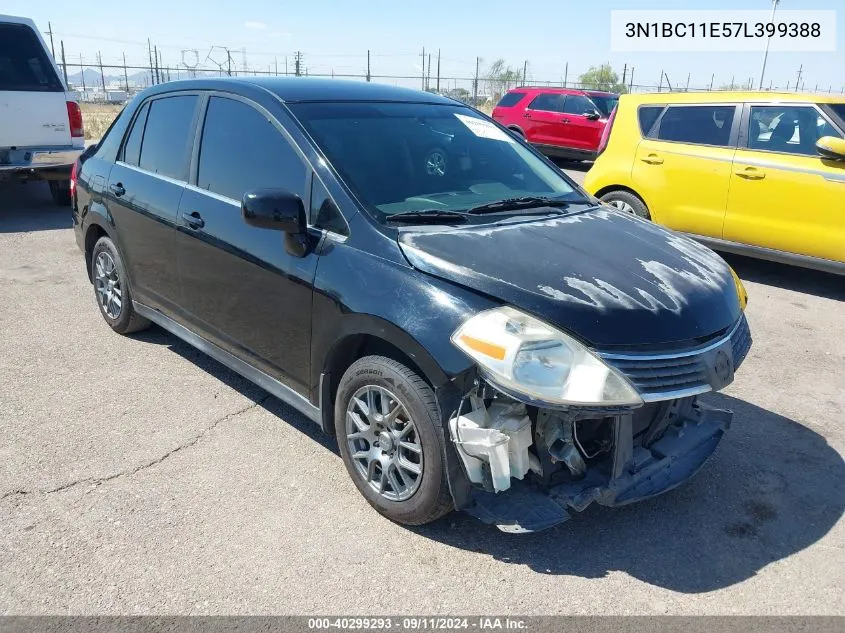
(660, 85)
(368, 65)
(624, 73)
(82, 72)
(475, 83)
(228, 62)
(631, 85)
(102, 76)
(159, 67)
(64, 65)
(732, 82)
(768, 41)
(276, 59)
(297, 59)
(150, 51)
(798, 81)
(525, 72)
(438, 70)
(155, 61)
(50, 33)
(712, 79)
(125, 75)
(422, 83)
(428, 78)
(688, 76)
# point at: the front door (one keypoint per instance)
(544, 120)
(684, 167)
(783, 195)
(241, 288)
(583, 132)
(143, 194)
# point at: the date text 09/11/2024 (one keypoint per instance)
(418, 623)
(722, 29)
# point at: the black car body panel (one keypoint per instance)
(293, 311)
(603, 276)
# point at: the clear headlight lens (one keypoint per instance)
(527, 357)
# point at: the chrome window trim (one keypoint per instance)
(174, 181)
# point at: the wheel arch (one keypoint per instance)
(93, 233)
(610, 188)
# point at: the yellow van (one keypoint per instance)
(756, 173)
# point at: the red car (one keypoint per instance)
(560, 122)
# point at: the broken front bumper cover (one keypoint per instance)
(636, 473)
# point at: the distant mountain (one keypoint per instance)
(92, 79)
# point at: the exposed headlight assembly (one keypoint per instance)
(531, 359)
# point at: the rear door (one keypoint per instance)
(783, 195)
(582, 132)
(242, 290)
(143, 194)
(33, 110)
(683, 166)
(544, 120)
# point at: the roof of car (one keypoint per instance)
(723, 96)
(566, 91)
(295, 89)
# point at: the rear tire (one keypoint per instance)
(111, 289)
(627, 202)
(387, 416)
(60, 190)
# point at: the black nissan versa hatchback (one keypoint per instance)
(476, 331)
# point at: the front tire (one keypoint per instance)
(627, 202)
(111, 288)
(390, 438)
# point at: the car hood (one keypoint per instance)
(609, 278)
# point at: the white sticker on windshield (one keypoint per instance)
(483, 128)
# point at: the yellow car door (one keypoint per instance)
(683, 166)
(783, 195)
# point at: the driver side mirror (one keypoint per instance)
(592, 115)
(831, 147)
(274, 209)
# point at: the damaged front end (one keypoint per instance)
(530, 460)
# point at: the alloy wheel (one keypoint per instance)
(107, 285)
(384, 443)
(622, 206)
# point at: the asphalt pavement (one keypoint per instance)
(139, 476)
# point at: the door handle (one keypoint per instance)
(117, 189)
(653, 159)
(194, 220)
(527, 115)
(565, 120)
(750, 173)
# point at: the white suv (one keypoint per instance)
(41, 132)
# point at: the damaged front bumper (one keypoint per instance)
(644, 460)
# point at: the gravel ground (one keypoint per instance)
(139, 476)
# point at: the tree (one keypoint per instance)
(500, 78)
(602, 78)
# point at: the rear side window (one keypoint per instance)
(648, 116)
(576, 104)
(700, 124)
(548, 103)
(168, 136)
(132, 148)
(510, 99)
(242, 150)
(24, 64)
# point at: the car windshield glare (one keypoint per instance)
(404, 157)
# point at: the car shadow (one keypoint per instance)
(576, 165)
(788, 277)
(773, 488)
(30, 207)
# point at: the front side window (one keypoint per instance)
(576, 104)
(399, 157)
(700, 124)
(168, 136)
(24, 64)
(788, 129)
(548, 103)
(605, 104)
(242, 150)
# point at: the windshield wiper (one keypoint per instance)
(428, 215)
(513, 204)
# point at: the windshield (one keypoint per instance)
(401, 157)
(605, 104)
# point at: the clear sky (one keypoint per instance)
(335, 35)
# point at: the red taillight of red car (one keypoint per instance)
(74, 117)
(605, 135)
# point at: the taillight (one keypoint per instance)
(74, 117)
(605, 135)
(73, 173)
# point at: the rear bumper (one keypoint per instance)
(636, 473)
(38, 163)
